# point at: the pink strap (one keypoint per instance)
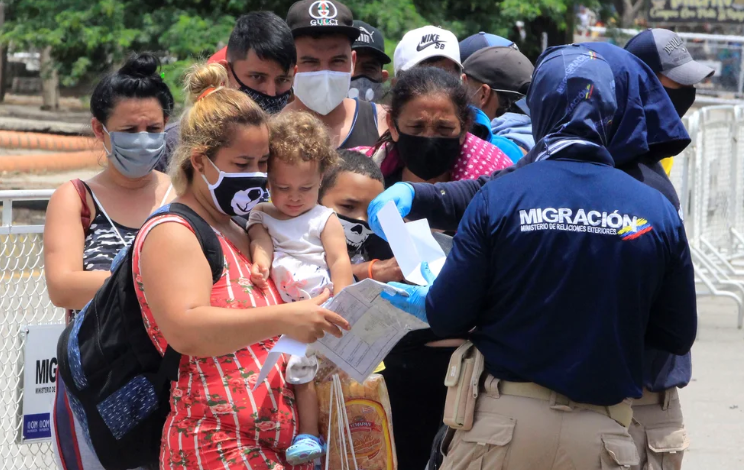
(85, 211)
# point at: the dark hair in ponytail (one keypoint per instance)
(428, 81)
(137, 78)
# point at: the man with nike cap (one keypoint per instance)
(428, 46)
(324, 32)
(665, 52)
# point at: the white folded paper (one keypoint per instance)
(376, 326)
(285, 345)
(412, 244)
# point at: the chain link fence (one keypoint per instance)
(23, 301)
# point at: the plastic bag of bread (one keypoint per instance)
(357, 422)
(327, 369)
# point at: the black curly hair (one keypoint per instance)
(352, 162)
(137, 78)
(423, 81)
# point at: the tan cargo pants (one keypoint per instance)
(658, 430)
(520, 433)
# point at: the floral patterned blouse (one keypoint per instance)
(217, 421)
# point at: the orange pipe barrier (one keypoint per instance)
(64, 161)
(52, 142)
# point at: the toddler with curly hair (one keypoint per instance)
(300, 245)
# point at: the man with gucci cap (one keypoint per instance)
(496, 78)
(324, 32)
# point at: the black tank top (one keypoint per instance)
(364, 131)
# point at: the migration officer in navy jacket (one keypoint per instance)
(561, 273)
(646, 130)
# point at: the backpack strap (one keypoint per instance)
(85, 211)
(168, 370)
(204, 233)
(241, 221)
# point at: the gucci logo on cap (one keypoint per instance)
(323, 11)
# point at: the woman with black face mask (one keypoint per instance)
(427, 141)
(428, 138)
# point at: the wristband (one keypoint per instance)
(369, 268)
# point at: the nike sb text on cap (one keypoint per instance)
(310, 17)
(370, 40)
(424, 43)
(665, 53)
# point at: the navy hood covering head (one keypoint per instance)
(572, 98)
(645, 123)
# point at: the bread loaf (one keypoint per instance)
(370, 423)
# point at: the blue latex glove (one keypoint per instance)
(400, 193)
(415, 302)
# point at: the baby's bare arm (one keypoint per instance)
(262, 247)
(334, 244)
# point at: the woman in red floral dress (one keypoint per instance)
(224, 331)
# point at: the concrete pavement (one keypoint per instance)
(713, 403)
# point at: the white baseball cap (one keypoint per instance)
(424, 43)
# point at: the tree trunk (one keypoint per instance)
(3, 54)
(631, 9)
(49, 81)
(570, 24)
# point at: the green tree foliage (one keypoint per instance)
(91, 36)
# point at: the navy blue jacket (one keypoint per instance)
(558, 286)
(646, 131)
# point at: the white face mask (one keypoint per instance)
(322, 91)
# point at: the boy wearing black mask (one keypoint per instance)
(260, 59)
(348, 188)
(665, 53)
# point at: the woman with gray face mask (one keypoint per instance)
(89, 222)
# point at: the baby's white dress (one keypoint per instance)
(299, 268)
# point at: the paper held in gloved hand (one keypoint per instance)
(412, 244)
(376, 326)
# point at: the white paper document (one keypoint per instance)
(285, 345)
(412, 244)
(376, 326)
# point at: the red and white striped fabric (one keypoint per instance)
(216, 421)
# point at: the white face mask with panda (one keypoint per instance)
(237, 193)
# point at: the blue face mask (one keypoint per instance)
(135, 154)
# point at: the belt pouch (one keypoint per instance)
(462, 382)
